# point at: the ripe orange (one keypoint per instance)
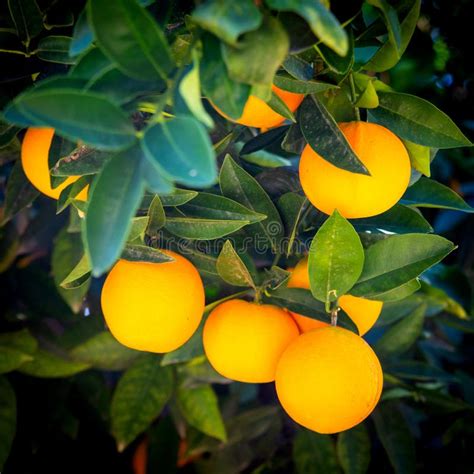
(153, 307)
(355, 195)
(34, 159)
(362, 311)
(243, 341)
(258, 114)
(328, 380)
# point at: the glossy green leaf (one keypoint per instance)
(27, 18)
(143, 253)
(353, 450)
(209, 216)
(420, 157)
(290, 84)
(231, 268)
(181, 148)
(429, 193)
(279, 106)
(398, 293)
(78, 115)
(336, 259)
(322, 22)
(103, 351)
(321, 132)
(368, 99)
(296, 66)
(82, 36)
(49, 365)
(93, 63)
(7, 419)
(391, 20)
(249, 61)
(113, 201)
(314, 453)
(240, 186)
(199, 407)
(401, 336)
(398, 259)
(130, 37)
(228, 95)
(396, 438)
(228, 19)
(340, 64)
(388, 55)
(55, 49)
(418, 121)
(399, 219)
(140, 396)
(78, 275)
(265, 159)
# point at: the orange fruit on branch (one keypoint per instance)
(243, 341)
(257, 113)
(328, 380)
(34, 159)
(356, 195)
(362, 311)
(154, 307)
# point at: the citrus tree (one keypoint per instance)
(206, 206)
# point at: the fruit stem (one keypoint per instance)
(334, 312)
(354, 96)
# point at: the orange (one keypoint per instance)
(328, 380)
(362, 311)
(355, 195)
(243, 341)
(258, 114)
(34, 159)
(154, 307)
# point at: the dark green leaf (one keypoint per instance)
(419, 371)
(48, 365)
(240, 186)
(78, 275)
(249, 62)
(353, 450)
(200, 408)
(27, 18)
(228, 19)
(191, 350)
(94, 63)
(429, 193)
(291, 206)
(322, 22)
(140, 396)
(398, 293)
(113, 201)
(391, 20)
(81, 161)
(129, 36)
(393, 261)
(325, 138)
(264, 140)
(156, 217)
(400, 337)
(418, 121)
(231, 268)
(297, 67)
(336, 259)
(82, 36)
(55, 49)
(181, 148)
(7, 419)
(340, 64)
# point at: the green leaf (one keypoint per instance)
(156, 217)
(93, 63)
(420, 157)
(200, 408)
(240, 186)
(297, 86)
(396, 438)
(82, 36)
(78, 116)
(178, 197)
(393, 261)
(78, 275)
(353, 450)
(298, 300)
(417, 120)
(113, 201)
(231, 268)
(11, 359)
(228, 95)
(55, 49)
(103, 351)
(143, 253)
(140, 396)
(278, 105)
(398, 293)
(388, 55)
(399, 219)
(182, 150)
(323, 135)
(191, 350)
(401, 336)
(419, 371)
(7, 419)
(227, 19)
(296, 66)
(368, 98)
(138, 228)
(81, 161)
(336, 259)
(249, 62)
(27, 18)
(322, 22)
(209, 216)
(265, 159)
(391, 20)
(48, 365)
(67, 253)
(314, 453)
(130, 37)
(340, 64)
(429, 193)
(291, 206)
